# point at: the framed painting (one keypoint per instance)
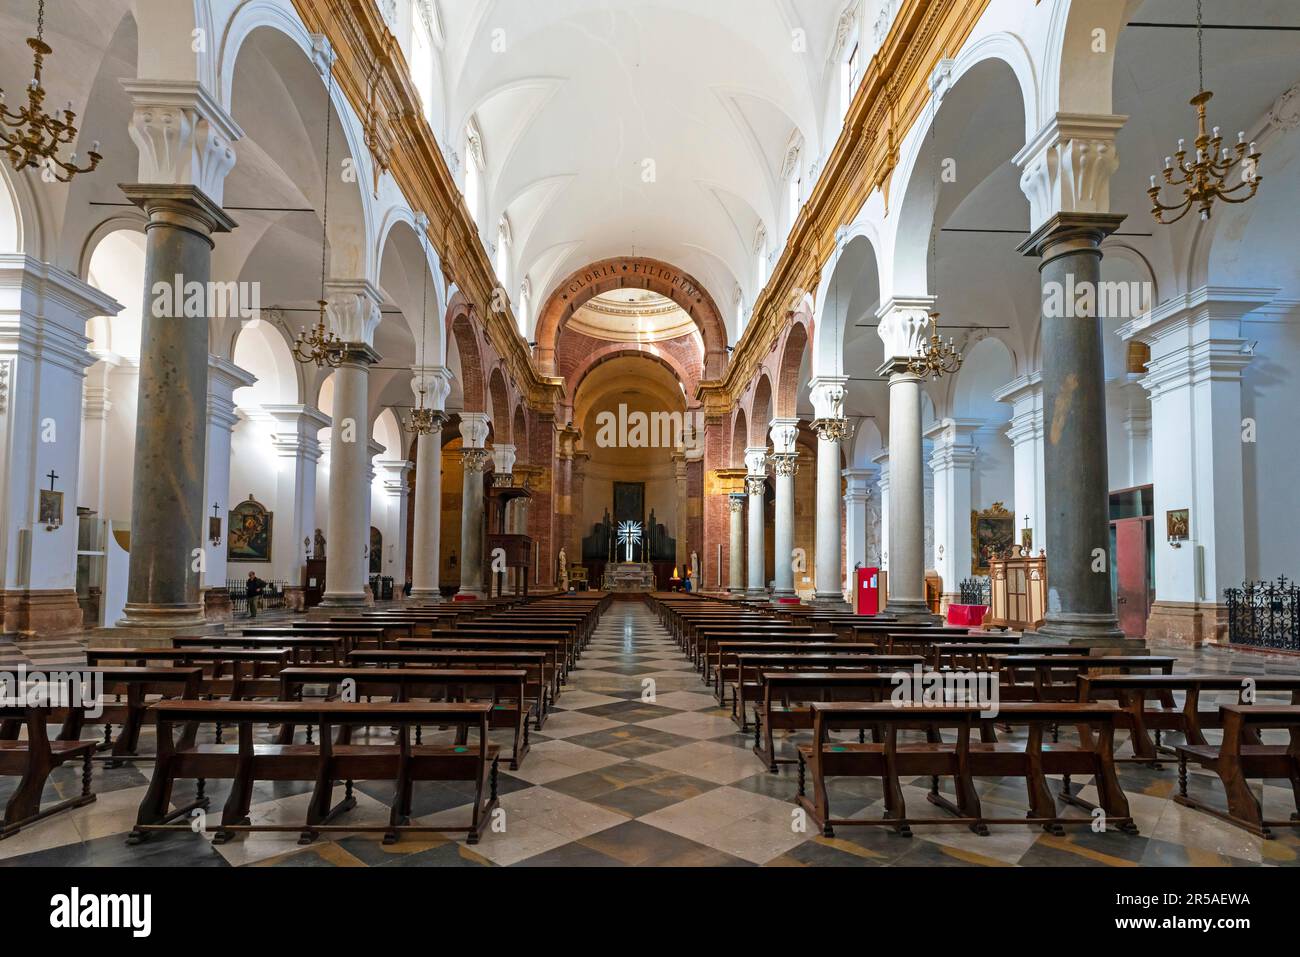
(249, 537)
(992, 533)
(376, 551)
(1178, 524)
(51, 508)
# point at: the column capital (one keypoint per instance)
(185, 137)
(436, 383)
(1067, 165)
(503, 458)
(566, 440)
(858, 483)
(755, 484)
(736, 502)
(785, 434)
(474, 429)
(904, 324)
(756, 460)
(224, 378)
(352, 311)
(396, 473)
(827, 393)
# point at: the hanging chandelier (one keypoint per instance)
(320, 346)
(1205, 179)
(935, 358)
(38, 136)
(424, 420)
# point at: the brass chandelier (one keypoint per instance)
(935, 358)
(321, 346)
(1205, 179)
(38, 136)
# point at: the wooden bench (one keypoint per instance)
(1056, 677)
(1133, 692)
(537, 689)
(324, 763)
(317, 647)
(962, 759)
(749, 664)
(134, 684)
(722, 671)
(33, 759)
(781, 688)
(235, 673)
(1243, 756)
(403, 684)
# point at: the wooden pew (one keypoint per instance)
(33, 759)
(1243, 756)
(135, 684)
(403, 684)
(324, 763)
(235, 673)
(780, 688)
(317, 647)
(537, 687)
(553, 649)
(1133, 692)
(985, 654)
(565, 638)
(750, 664)
(1055, 677)
(721, 672)
(962, 759)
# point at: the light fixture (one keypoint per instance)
(38, 136)
(936, 358)
(424, 420)
(1205, 180)
(321, 346)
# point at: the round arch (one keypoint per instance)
(636, 272)
(461, 331)
(760, 411)
(786, 399)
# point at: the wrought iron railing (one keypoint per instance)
(976, 591)
(272, 595)
(1264, 614)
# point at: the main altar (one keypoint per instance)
(629, 577)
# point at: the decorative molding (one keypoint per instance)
(352, 310)
(1066, 167)
(1285, 112)
(904, 324)
(184, 136)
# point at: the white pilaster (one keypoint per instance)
(224, 377)
(952, 462)
(297, 451)
(1025, 396)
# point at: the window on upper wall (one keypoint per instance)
(422, 62)
(850, 73)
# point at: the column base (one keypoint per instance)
(40, 613)
(143, 616)
(425, 595)
(295, 598)
(830, 601)
(1086, 629)
(345, 600)
(783, 593)
(151, 636)
(757, 593)
(910, 610)
(1187, 624)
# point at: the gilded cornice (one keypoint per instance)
(890, 98)
(372, 73)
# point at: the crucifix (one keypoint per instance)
(51, 477)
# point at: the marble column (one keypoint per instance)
(736, 545)
(832, 429)
(882, 463)
(756, 490)
(353, 312)
(785, 465)
(435, 382)
(476, 459)
(681, 556)
(1076, 476)
(224, 378)
(903, 328)
(1066, 170)
(167, 503)
(952, 463)
(857, 502)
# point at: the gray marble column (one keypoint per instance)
(167, 504)
(785, 465)
(736, 548)
(475, 459)
(756, 490)
(347, 567)
(1076, 480)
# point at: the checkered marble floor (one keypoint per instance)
(639, 766)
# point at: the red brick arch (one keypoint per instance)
(632, 272)
(461, 329)
(787, 381)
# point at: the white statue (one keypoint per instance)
(564, 571)
(695, 566)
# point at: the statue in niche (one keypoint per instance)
(318, 549)
(695, 566)
(563, 578)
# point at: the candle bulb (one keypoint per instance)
(1169, 162)
(1216, 132)
(1241, 136)
(1180, 146)
(1253, 151)
(94, 147)
(1153, 183)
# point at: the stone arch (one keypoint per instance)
(500, 410)
(260, 349)
(760, 411)
(852, 279)
(1076, 77)
(469, 355)
(519, 432)
(739, 439)
(398, 230)
(636, 272)
(786, 399)
(614, 350)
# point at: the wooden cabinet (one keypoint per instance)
(1019, 590)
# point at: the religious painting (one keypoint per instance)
(51, 508)
(214, 529)
(249, 539)
(1178, 524)
(376, 551)
(992, 533)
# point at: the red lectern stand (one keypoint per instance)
(867, 591)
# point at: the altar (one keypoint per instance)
(629, 577)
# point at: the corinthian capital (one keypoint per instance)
(184, 136)
(904, 323)
(735, 502)
(755, 484)
(476, 460)
(352, 310)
